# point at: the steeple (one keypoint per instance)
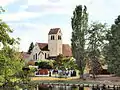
(55, 42)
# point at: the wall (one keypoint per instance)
(42, 55)
(35, 50)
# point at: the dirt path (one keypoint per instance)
(107, 79)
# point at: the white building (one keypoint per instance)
(53, 48)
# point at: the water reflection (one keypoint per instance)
(55, 87)
(63, 88)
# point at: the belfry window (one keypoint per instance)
(36, 56)
(52, 37)
(45, 56)
(59, 37)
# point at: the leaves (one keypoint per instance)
(95, 36)
(10, 60)
(10, 63)
(64, 63)
(112, 48)
(79, 23)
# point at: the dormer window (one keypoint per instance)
(59, 37)
(52, 37)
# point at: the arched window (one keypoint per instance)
(45, 56)
(59, 37)
(52, 37)
(36, 56)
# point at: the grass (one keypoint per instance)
(71, 80)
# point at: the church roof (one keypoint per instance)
(43, 46)
(66, 49)
(24, 55)
(53, 31)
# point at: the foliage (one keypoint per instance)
(112, 48)
(44, 64)
(32, 71)
(30, 48)
(10, 64)
(10, 61)
(1, 9)
(79, 26)
(58, 62)
(95, 37)
(64, 63)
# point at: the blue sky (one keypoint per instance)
(31, 20)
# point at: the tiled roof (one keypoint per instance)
(53, 31)
(25, 55)
(43, 46)
(66, 50)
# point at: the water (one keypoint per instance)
(55, 87)
(62, 88)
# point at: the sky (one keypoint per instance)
(31, 20)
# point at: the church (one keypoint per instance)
(52, 49)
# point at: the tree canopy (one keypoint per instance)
(95, 41)
(10, 61)
(112, 48)
(79, 26)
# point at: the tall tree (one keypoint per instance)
(30, 48)
(112, 48)
(79, 26)
(95, 37)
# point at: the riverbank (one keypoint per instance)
(101, 79)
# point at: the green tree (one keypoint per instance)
(79, 26)
(30, 48)
(95, 37)
(10, 62)
(44, 64)
(112, 48)
(64, 64)
(59, 60)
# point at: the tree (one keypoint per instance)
(30, 48)
(64, 63)
(45, 64)
(95, 37)
(112, 48)
(10, 62)
(79, 26)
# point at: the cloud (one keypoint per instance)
(53, 6)
(98, 9)
(19, 16)
(6, 2)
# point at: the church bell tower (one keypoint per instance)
(55, 42)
